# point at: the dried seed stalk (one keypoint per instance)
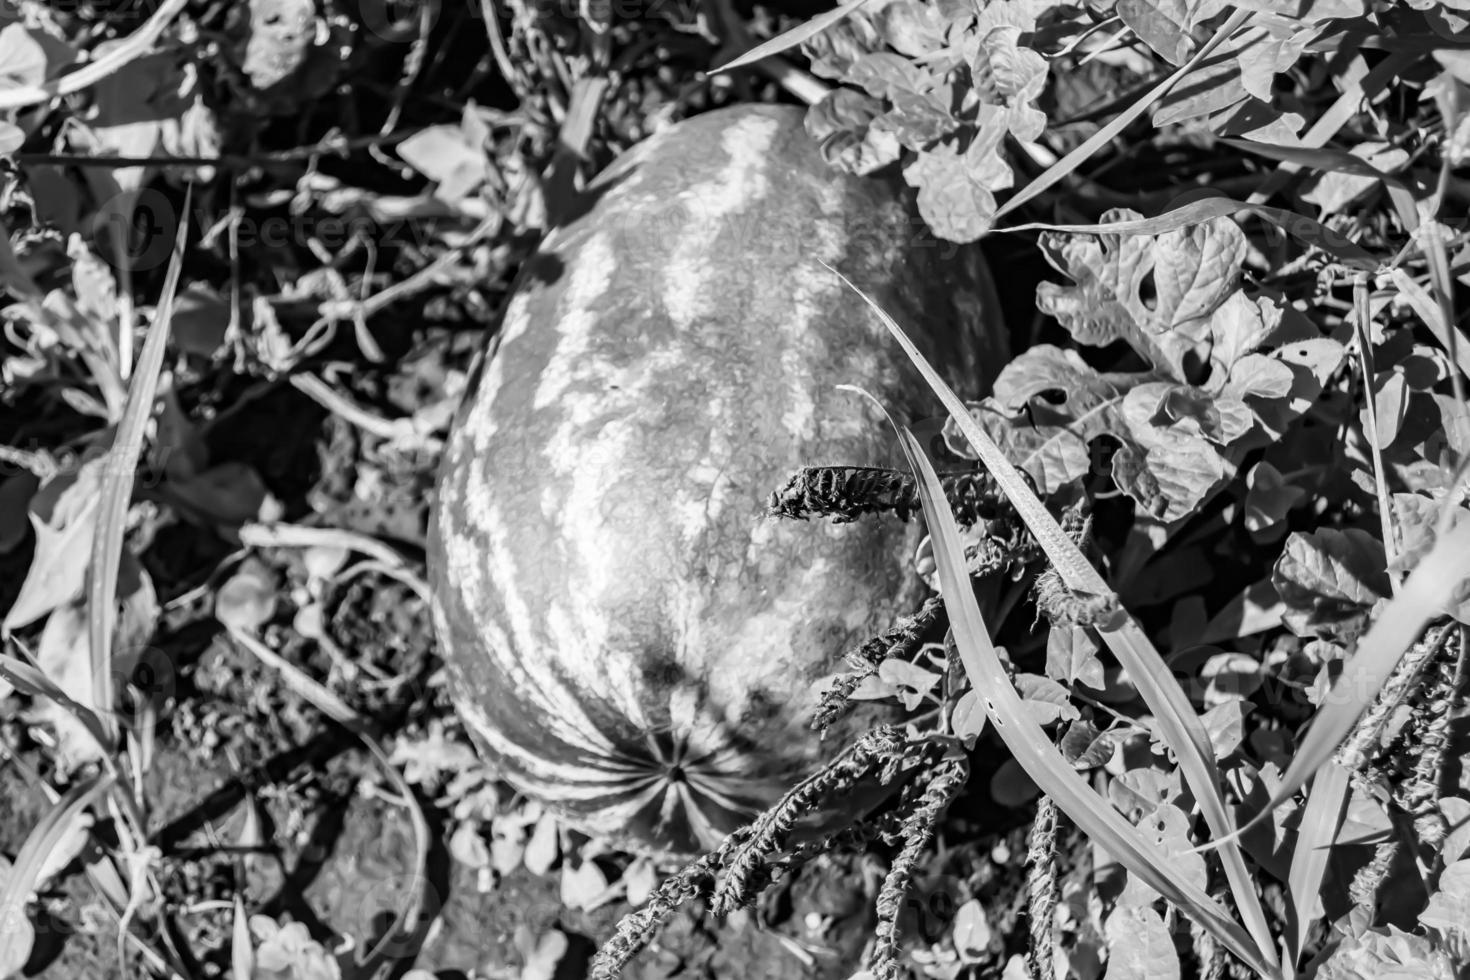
(903, 639)
(941, 787)
(1042, 890)
(846, 493)
(636, 930)
(879, 750)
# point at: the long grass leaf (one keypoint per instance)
(242, 948)
(1103, 136)
(1304, 229)
(1317, 158)
(1359, 86)
(1431, 238)
(1177, 719)
(1314, 839)
(1031, 747)
(1429, 311)
(797, 35)
(116, 488)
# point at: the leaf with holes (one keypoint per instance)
(1168, 827)
(1226, 374)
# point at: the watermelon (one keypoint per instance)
(629, 637)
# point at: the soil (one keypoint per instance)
(253, 792)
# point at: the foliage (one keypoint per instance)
(1242, 399)
(1288, 409)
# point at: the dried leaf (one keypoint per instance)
(450, 157)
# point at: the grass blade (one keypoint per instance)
(1304, 229)
(1317, 158)
(242, 948)
(790, 39)
(1314, 840)
(1031, 747)
(115, 491)
(1071, 161)
(1428, 310)
(1177, 719)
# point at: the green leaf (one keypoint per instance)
(115, 490)
(1268, 500)
(1191, 271)
(29, 56)
(63, 515)
(1299, 226)
(844, 124)
(972, 932)
(1029, 744)
(450, 157)
(968, 718)
(1160, 690)
(913, 682)
(956, 196)
(1314, 840)
(1086, 747)
(1225, 724)
(1071, 657)
(1434, 582)
(1386, 954)
(1168, 827)
(1161, 24)
(1449, 907)
(1047, 700)
(1329, 581)
(1139, 946)
(1456, 813)
(1069, 163)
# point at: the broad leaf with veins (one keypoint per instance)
(1224, 372)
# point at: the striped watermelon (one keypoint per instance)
(629, 638)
